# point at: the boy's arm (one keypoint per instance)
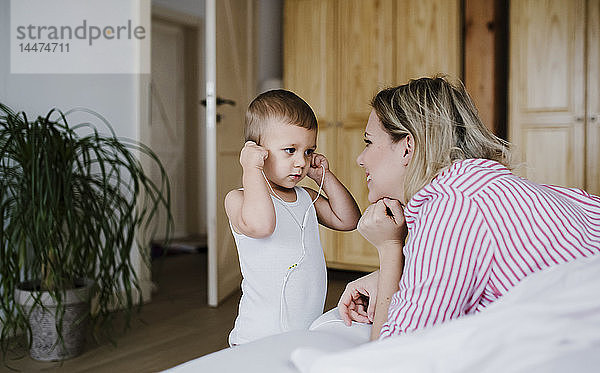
(251, 211)
(339, 209)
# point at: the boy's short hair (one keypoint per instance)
(277, 104)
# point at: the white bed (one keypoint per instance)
(548, 323)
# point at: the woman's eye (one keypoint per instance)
(367, 142)
(290, 150)
(309, 152)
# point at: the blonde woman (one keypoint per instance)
(454, 227)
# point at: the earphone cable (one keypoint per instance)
(291, 268)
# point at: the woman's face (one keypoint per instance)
(384, 161)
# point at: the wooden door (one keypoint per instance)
(235, 81)
(309, 58)
(428, 39)
(485, 60)
(593, 97)
(547, 111)
(366, 55)
(167, 124)
(338, 54)
(310, 70)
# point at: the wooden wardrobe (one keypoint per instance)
(554, 101)
(337, 55)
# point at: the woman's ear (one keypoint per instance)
(408, 146)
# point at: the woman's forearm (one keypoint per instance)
(390, 270)
(383, 225)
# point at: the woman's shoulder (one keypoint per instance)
(472, 166)
(462, 180)
(471, 175)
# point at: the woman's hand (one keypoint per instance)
(358, 300)
(383, 224)
(315, 171)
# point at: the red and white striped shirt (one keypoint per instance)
(477, 230)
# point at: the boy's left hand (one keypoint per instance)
(315, 171)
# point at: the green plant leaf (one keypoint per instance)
(74, 203)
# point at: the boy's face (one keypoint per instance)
(290, 152)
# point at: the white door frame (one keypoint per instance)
(211, 149)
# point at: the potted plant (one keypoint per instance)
(74, 203)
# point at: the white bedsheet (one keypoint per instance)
(548, 323)
(327, 334)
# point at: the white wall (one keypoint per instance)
(116, 97)
(113, 96)
(193, 7)
(270, 44)
(270, 32)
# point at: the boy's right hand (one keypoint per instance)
(253, 155)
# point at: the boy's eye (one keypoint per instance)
(290, 150)
(309, 152)
(367, 142)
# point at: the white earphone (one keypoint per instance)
(291, 268)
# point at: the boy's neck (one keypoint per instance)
(287, 194)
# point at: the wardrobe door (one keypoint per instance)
(593, 98)
(366, 52)
(310, 70)
(547, 111)
(428, 36)
(309, 57)
(337, 55)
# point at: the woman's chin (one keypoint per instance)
(372, 197)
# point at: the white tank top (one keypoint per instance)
(264, 263)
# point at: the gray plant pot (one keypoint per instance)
(46, 345)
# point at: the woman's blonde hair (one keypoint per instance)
(443, 123)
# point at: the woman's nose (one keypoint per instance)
(359, 159)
